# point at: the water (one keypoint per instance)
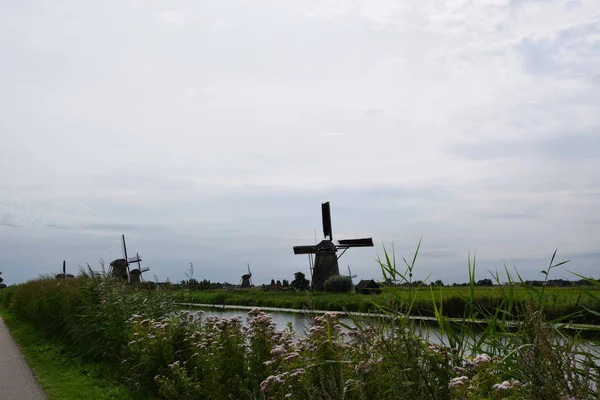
(301, 321)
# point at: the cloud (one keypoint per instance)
(7, 221)
(472, 124)
(175, 16)
(222, 25)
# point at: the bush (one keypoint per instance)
(339, 284)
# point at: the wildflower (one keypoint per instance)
(297, 372)
(502, 386)
(481, 359)
(459, 381)
(287, 396)
(292, 356)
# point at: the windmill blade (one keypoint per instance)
(326, 214)
(145, 269)
(124, 247)
(125, 252)
(249, 273)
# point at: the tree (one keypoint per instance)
(439, 283)
(278, 283)
(300, 282)
(285, 283)
(485, 282)
(273, 282)
(2, 285)
(338, 284)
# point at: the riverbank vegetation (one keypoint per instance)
(569, 303)
(154, 349)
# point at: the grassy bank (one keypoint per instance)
(63, 374)
(165, 354)
(557, 302)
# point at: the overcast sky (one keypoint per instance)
(211, 131)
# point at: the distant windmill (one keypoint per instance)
(350, 273)
(326, 259)
(120, 268)
(64, 272)
(246, 281)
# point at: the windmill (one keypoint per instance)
(326, 259)
(120, 268)
(246, 281)
(64, 272)
(350, 273)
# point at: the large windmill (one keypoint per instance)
(120, 268)
(326, 258)
(246, 280)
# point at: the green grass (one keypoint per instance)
(62, 374)
(557, 301)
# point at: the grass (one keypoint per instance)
(61, 373)
(557, 301)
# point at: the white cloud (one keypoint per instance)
(172, 16)
(222, 25)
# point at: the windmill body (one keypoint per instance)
(326, 257)
(246, 281)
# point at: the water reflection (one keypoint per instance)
(300, 321)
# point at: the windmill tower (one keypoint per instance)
(246, 281)
(120, 268)
(326, 258)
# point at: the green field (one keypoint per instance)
(558, 301)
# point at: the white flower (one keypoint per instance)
(502, 386)
(481, 358)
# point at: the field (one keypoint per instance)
(558, 302)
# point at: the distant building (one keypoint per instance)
(367, 286)
(273, 287)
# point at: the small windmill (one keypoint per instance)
(64, 272)
(326, 260)
(350, 273)
(246, 281)
(120, 268)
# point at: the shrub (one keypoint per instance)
(339, 284)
